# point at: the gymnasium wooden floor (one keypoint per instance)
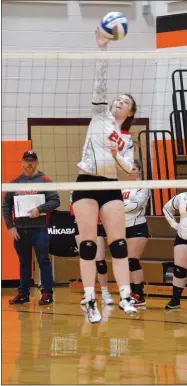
(56, 345)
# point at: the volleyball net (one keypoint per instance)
(46, 107)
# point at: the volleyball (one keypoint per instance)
(114, 25)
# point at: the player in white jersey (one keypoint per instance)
(178, 203)
(137, 233)
(108, 143)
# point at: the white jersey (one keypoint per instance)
(178, 202)
(103, 132)
(135, 202)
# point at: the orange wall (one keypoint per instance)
(158, 206)
(171, 39)
(12, 152)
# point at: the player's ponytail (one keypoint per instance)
(139, 166)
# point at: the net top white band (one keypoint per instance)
(154, 55)
(100, 185)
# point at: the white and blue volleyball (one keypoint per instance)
(114, 25)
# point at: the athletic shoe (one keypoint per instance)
(46, 298)
(19, 299)
(137, 301)
(93, 313)
(107, 299)
(83, 301)
(126, 306)
(173, 304)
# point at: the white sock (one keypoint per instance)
(124, 291)
(104, 290)
(89, 293)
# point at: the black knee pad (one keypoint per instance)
(118, 249)
(88, 250)
(101, 267)
(134, 265)
(179, 272)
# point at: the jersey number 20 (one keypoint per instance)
(115, 138)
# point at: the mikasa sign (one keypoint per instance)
(63, 231)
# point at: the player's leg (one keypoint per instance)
(86, 214)
(100, 264)
(135, 248)
(102, 268)
(137, 237)
(113, 218)
(179, 273)
(77, 239)
(23, 247)
(40, 239)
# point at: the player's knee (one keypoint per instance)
(134, 265)
(88, 250)
(118, 249)
(101, 267)
(179, 272)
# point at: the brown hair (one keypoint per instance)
(138, 164)
(127, 123)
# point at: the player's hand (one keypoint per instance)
(113, 148)
(114, 151)
(14, 234)
(102, 41)
(34, 213)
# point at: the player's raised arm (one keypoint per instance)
(99, 99)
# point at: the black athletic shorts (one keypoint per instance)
(140, 230)
(179, 241)
(101, 196)
(100, 229)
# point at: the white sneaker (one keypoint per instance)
(126, 306)
(83, 301)
(107, 299)
(93, 313)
